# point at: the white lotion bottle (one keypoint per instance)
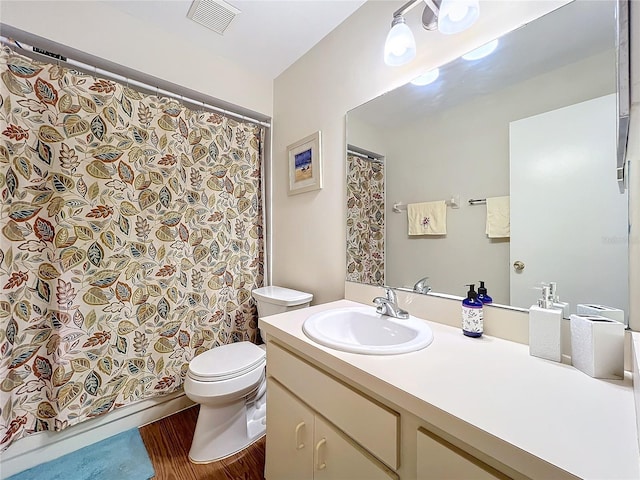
(545, 328)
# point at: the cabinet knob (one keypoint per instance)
(518, 266)
(320, 465)
(299, 444)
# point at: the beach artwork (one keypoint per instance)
(304, 170)
(305, 165)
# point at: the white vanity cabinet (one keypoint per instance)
(318, 427)
(302, 439)
(301, 445)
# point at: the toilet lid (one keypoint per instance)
(226, 361)
(281, 296)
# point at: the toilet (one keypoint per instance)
(229, 383)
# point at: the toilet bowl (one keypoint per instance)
(229, 383)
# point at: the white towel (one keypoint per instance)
(427, 218)
(498, 217)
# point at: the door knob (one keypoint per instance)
(518, 266)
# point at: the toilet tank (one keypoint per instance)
(273, 299)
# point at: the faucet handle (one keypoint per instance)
(380, 303)
(390, 294)
(421, 286)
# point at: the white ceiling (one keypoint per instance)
(266, 37)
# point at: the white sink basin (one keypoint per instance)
(362, 330)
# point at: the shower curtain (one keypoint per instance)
(131, 238)
(365, 220)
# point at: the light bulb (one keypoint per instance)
(457, 15)
(400, 46)
(458, 12)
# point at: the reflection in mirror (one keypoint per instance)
(365, 217)
(535, 121)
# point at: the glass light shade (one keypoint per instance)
(457, 15)
(426, 78)
(481, 52)
(400, 46)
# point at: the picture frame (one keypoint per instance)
(305, 164)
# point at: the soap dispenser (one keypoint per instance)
(472, 325)
(564, 306)
(545, 328)
(482, 294)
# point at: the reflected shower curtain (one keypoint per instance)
(131, 238)
(365, 220)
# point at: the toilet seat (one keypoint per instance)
(226, 362)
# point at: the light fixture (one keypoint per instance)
(457, 15)
(426, 78)
(481, 52)
(400, 46)
(448, 16)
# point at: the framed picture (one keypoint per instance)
(305, 165)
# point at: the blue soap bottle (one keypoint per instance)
(482, 294)
(472, 325)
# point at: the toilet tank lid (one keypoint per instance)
(226, 360)
(281, 296)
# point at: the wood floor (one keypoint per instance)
(168, 442)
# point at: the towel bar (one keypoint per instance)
(453, 202)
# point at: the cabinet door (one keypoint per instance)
(337, 458)
(440, 460)
(289, 450)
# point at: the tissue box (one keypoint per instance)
(602, 310)
(597, 346)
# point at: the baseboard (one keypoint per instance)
(45, 446)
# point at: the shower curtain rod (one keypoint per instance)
(128, 81)
(365, 157)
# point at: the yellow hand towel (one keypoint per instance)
(427, 218)
(498, 217)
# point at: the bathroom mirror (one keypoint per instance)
(536, 120)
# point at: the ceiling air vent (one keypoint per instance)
(216, 15)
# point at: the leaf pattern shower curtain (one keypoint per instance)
(365, 220)
(131, 239)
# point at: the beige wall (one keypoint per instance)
(424, 164)
(343, 71)
(102, 31)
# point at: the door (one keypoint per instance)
(563, 166)
(289, 450)
(336, 457)
(303, 446)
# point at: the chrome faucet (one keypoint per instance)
(388, 305)
(421, 286)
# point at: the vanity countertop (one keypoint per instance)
(490, 393)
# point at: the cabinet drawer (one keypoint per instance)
(438, 459)
(370, 424)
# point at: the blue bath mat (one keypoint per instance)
(121, 457)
